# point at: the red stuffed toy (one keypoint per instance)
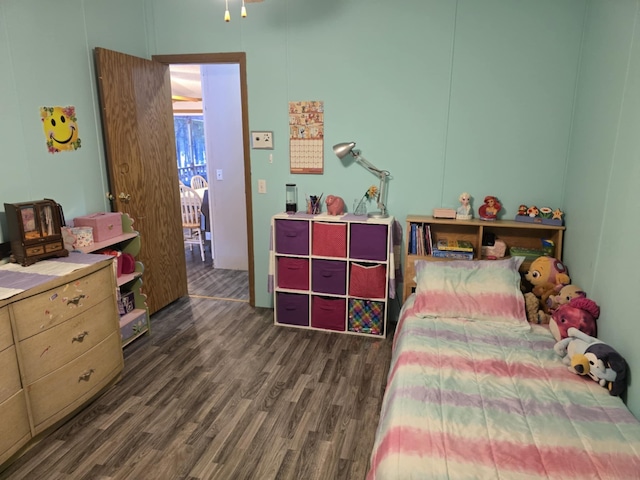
(580, 313)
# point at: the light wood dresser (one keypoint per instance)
(60, 344)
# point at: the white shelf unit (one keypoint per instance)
(332, 272)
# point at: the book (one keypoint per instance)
(454, 245)
(413, 240)
(452, 254)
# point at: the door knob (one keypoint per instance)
(124, 196)
(110, 196)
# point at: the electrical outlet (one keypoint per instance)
(262, 186)
(262, 140)
(219, 174)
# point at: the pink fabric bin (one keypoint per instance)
(328, 313)
(293, 273)
(329, 239)
(105, 225)
(367, 281)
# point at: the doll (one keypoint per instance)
(489, 210)
(464, 210)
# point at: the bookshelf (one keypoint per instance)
(514, 234)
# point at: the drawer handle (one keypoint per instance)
(327, 274)
(85, 376)
(80, 337)
(290, 234)
(75, 300)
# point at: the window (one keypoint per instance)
(190, 147)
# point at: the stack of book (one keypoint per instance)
(456, 249)
(420, 240)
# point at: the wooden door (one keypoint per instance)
(137, 123)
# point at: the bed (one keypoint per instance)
(476, 392)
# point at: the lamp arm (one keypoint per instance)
(381, 191)
(381, 174)
(368, 165)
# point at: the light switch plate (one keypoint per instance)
(263, 140)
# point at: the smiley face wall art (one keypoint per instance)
(60, 128)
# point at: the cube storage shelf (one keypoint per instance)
(332, 272)
(135, 322)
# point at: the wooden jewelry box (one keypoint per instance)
(35, 231)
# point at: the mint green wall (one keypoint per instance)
(448, 96)
(501, 97)
(604, 174)
(46, 59)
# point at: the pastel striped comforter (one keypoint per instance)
(476, 400)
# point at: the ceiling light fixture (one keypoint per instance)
(243, 10)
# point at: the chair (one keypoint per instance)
(198, 181)
(190, 204)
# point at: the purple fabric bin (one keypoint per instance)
(368, 242)
(292, 237)
(292, 309)
(328, 313)
(329, 276)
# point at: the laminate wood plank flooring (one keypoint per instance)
(218, 392)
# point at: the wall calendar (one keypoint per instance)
(306, 137)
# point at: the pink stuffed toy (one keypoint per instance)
(580, 313)
(335, 205)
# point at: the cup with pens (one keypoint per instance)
(314, 204)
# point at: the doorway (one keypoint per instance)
(235, 61)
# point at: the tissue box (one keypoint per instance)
(105, 225)
(83, 236)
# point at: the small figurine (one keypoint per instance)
(522, 210)
(489, 210)
(464, 210)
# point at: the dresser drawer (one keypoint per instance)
(14, 428)
(6, 338)
(60, 392)
(10, 375)
(43, 353)
(48, 309)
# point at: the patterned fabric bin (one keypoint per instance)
(366, 316)
(328, 313)
(367, 280)
(329, 239)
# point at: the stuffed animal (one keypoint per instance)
(565, 295)
(586, 355)
(580, 313)
(335, 205)
(532, 307)
(547, 275)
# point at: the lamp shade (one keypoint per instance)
(343, 149)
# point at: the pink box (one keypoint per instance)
(105, 225)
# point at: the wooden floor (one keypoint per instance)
(218, 392)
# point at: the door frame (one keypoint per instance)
(239, 58)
